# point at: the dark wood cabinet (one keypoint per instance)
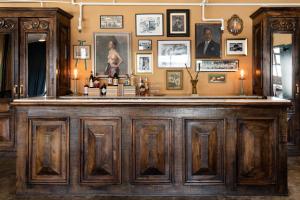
(20, 28)
(276, 66)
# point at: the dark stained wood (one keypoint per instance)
(48, 150)
(204, 149)
(101, 150)
(152, 153)
(267, 21)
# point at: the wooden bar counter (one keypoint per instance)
(157, 146)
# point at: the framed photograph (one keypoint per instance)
(112, 54)
(208, 40)
(149, 24)
(216, 78)
(111, 21)
(145, 45)
(217, 65)
(144, 63)
(178, 23)
(174, 79)
(82, 52)
(236, 47)
(174, 53)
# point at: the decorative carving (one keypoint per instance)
(283, 24)
(7, 24)
(256, 150)
(101, 153)
(48, 149)
(151, 142)
(36, 24)
(204, 151)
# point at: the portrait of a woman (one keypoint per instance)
(114, 60)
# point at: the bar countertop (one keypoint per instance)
(152, 100)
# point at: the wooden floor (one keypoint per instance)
(7, 186)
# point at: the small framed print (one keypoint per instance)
(178, 23)
(174, 79)
(216, 78)
(111, 21)
(145, 45)
(82, 52)
(149, 24)
(217, 65)
(174, 53)
(144, 63)
(236, 47)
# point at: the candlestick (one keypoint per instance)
(242, 78)
(242, 74)
(75, 73)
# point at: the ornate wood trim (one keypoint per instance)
(7, 24)
(283, 24)
(36, 24)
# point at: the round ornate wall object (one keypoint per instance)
(235, 25)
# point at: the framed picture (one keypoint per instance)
(111, 21)
(144, 63)
(112, 54)
(236, 47)
(208, 40)
(178, 23)
(145, 45)
(174, 53)
(217, 65)
(149, 24)
(216, 78)
(82, 52)
(174, 79)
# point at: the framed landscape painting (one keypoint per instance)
(112, 54)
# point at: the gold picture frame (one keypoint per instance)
(174, 79)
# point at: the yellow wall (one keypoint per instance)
(91, 25)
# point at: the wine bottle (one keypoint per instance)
(91, 80)
(116, 79)
(103, 90)
(86, 88)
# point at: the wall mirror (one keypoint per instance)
(6, 65)
(37, 64)
(282, 65)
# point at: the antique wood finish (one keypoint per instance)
(101, 150)
(144, 148)
(48, 150)
(204, 149)
(267, 21)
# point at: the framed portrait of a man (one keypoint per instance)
(208, 40)
(178, 23)
(112, 54)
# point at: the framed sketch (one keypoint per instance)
(145, 45)
(144, 63)
(208, 40)
(174, 53)
(217, 65)
(174, 79)
(112, 54)
(178, 23)
(149, 24)
(216, 78)
(111, 21)
(82, 52)
(236, 47)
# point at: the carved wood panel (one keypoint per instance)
(36, 24)
(256, 151)
(152, 153)
(283, 24)
(204, 151)
(101, 150)
(7, 24)
(48, 150)
(4, 129)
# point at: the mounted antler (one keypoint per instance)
(193, 81)
(189, 72)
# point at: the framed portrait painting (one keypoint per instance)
(174, 79)
(112, 54)
(144, 63)
(236, 47)
(178, 23)
(111, 21)
(174, 53)
(208, 40)
(149, 24)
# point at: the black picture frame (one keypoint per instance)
(214, 50)
(182, 14)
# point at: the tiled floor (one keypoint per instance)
(7, 186)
